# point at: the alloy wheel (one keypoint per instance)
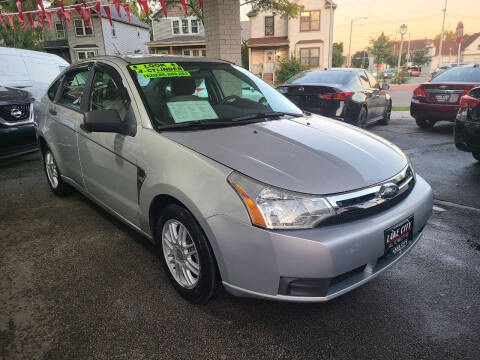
(52, 171)
(180, 254)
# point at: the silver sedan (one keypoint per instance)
(235, 188)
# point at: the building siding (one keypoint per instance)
(78, 41)
(129, 39)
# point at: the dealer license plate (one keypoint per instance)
(442, 98)
(398, 236)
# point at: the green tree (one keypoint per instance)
(421, 57)
(360, 59)
(337, 55)
(245, 54)
(448, 34)
(381, 48)
(288, 68)
(287, 9)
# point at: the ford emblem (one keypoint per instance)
(388, 191)
(16, 113)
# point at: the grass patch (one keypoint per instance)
(400, 108)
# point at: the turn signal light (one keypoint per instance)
(468, 102)
(419, 92)
(341, 96)
(253, 211)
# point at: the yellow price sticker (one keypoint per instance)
(159, 70)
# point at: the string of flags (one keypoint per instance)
(64, 13)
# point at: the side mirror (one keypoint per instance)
(385, 86)
(105, 121)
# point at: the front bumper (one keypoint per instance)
(433, 111)
(17, 140)
(254, 262)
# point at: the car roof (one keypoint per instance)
(145, 58)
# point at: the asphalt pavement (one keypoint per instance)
(75, 283)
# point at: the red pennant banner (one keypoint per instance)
(61, 4)
(20, 20)
(40, 19)
(10, 21)
(106, 8)
(84, 5)
(30, 19)
(59, 12)
(48, 16)
(200, 4)
(164, 7)
(40, 2)
(2, 20)
(117, 7)
(20, 10)
(88, 18)
(144, 5)
(66, 12)
(79, 10)
(96, 5)
(184, 6)
(126, 7)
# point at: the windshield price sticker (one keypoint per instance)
(159, 70)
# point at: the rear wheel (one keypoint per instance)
(424, 123)
(57, 185)
(476, 155)
(186, 254)
(362, 118)
(387, 113)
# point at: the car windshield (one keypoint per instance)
(321, 76)
(459, 74)
(204, 93)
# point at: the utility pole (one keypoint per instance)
(403, 31)
(332, 8)
(408, 49)
(350, 42)
(442, 35)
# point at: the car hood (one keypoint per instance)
(313, 155)
(8, 94)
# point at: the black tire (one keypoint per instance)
(476, 155)
(362, 118)
(387, 113)
(208, 278)
(424, 123)
(59, 188)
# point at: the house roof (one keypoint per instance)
(470, 40)
(124, 19)
(268, 41)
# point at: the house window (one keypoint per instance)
(176, 26)
(59, 30)
(204, 53)
(196, 53)
(185, 26)
(310, 20)
(85, 54)
(186, 52)
(310, 56)
(194, 25)
(82, 29)
(269, 26)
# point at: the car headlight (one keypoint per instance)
(282, 89)
(273, 208)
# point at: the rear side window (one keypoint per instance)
(73, 87)
(53, 90)
(460, 74)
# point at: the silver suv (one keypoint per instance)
(235, 188)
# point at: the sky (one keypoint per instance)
(423, 18)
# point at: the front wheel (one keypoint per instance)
(362, 118)
(424, 123)
(55, 181)
(476, 155)
(186, 254)
(387, 113)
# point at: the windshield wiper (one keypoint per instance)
(198, 124)
(264, 115)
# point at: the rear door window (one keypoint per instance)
(73, 87)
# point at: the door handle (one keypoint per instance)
(52, 111)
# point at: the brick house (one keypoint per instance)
(306, 37)
(82, 41)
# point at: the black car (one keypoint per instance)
(467, 123)
(350, 95)
(17, 130)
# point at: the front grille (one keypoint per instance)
(15, 113)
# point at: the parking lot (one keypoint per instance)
(77, 283)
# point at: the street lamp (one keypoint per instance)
(403, 31)
(350, 42)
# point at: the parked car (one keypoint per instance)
(414, 71)
(439, 99)
(30, 70)
(388, 74)
(467, 124)
(255, 195)
(17, 130)
(350, 95)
